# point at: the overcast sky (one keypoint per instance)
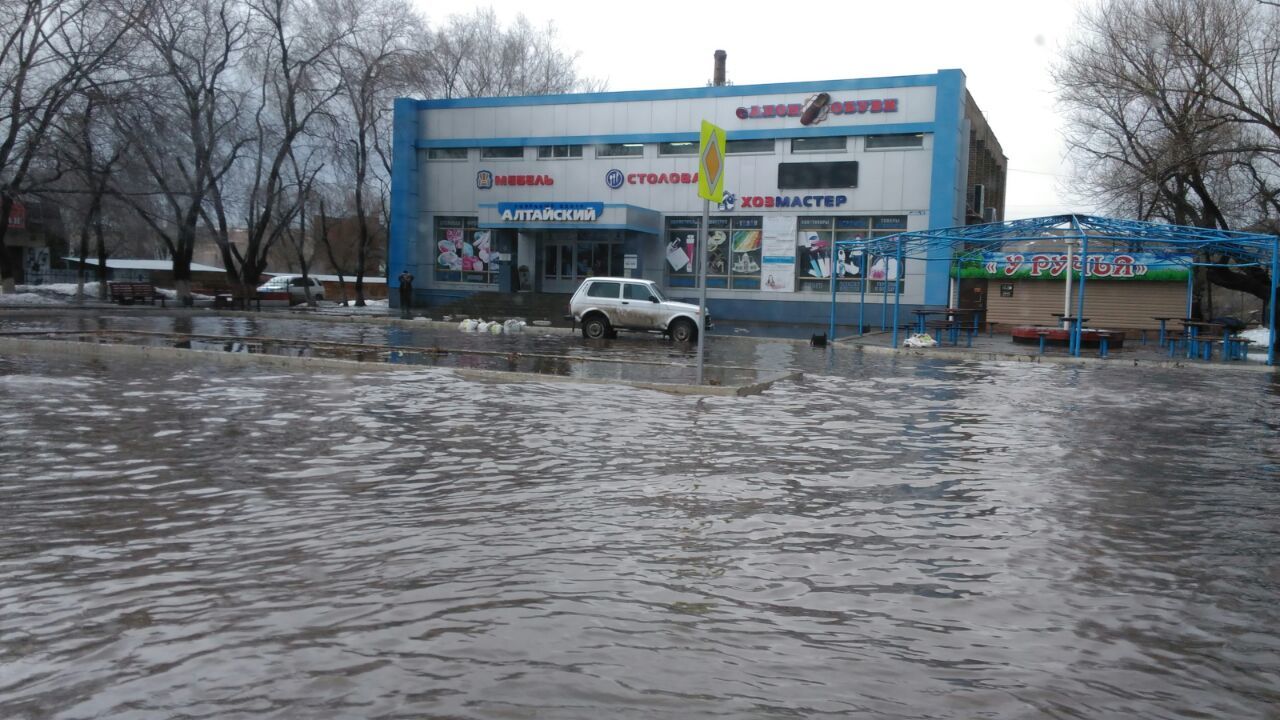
(1004, 47)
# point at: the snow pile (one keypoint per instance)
(1260, 336)
(29, 298)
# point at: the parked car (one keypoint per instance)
(604, 305)
(295, 286)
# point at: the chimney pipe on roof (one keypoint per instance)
(717, 79)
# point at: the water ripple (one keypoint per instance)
(884, 539)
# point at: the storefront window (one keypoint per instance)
(819, 144)
(733, 252)
(447, 154)
(678, 148)
(894, 142)
(817, 256)
(464, 253)
(620, 150)
(743, 147)
(558, 152)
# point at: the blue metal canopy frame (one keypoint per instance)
(1172, 244)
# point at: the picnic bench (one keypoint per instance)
(127, 293)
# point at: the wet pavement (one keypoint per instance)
(891, 537)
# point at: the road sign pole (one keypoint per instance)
(710, 187)
(703, 234)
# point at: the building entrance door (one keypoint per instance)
(570, 256)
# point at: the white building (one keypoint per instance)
(567, 186)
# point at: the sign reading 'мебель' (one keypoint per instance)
(550, 212)
(1101, 266)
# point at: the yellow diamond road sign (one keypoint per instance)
(711, 163)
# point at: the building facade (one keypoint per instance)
(533, 194)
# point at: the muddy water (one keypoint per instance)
(884, 539)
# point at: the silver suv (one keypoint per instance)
(604, 305)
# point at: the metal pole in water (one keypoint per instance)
(1084, 272)
(897, 289)
(1275, 281)
(702, 282)
(862, 290)
(835, 270)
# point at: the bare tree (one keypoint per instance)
(91, 154)
(48, 51)
(372, 64)
(474, 55)
(293, 55)
(1151, 91)
(185, 125)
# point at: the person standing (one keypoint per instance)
(406, 293)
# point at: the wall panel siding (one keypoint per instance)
(1118, 305)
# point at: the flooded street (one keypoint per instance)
(887, 538)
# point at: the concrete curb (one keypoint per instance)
(1116, 362)
(64, 348)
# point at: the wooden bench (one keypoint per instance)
(127, 293)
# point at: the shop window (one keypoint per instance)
(733, 252)
(464, 253)
(559, 152)
(678, 148)
(447, 154)
(818, 257)
(895, 142)
(746, 147)
(616, 150)
(502, 153)
(819, 144)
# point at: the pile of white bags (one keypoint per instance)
(493, 328)
(920, 340)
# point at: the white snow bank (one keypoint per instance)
(30, 298)
(1260, 336)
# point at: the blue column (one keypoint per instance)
(897, 291)
(862, 289)
(831, 329)
(1084, 272)
(1275, 281)
(402, 251)
(1191, 279)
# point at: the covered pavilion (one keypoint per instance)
(1093, 239)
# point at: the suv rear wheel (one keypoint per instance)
(595, 327)
(683, 330)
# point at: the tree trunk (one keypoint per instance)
(7, 284)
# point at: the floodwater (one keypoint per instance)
(885, 539)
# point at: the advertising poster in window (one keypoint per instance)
(779, 250)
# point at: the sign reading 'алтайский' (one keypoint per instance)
(556, 212)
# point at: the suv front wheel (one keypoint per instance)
(595, 327)
(683, 330)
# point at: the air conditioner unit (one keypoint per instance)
(989, 215)
(979, 197)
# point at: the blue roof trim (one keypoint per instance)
(776, 133)
(568, 226)
(900, 81)
(607, 205)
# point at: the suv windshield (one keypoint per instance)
(657, 293)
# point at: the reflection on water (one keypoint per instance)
(888, 539)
